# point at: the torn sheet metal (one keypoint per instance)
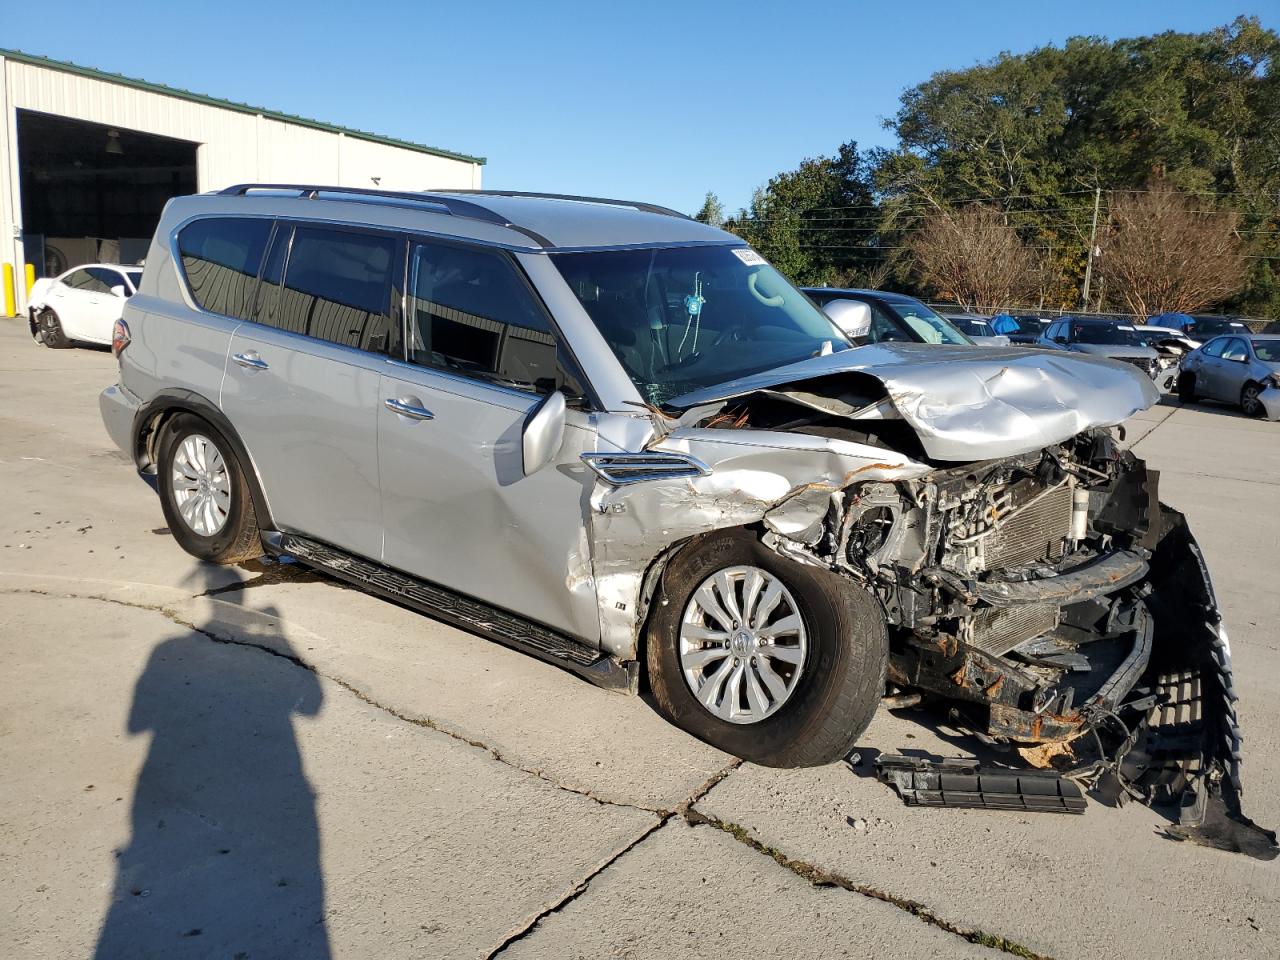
(973, 403)
(784, 480)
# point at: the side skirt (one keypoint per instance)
(468, 613)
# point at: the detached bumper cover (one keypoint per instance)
(1270, 398)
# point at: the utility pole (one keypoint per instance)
(1093, 245)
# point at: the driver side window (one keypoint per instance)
(472, 314)
(1235, 350)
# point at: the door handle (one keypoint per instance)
(410, 407)
(251, 360)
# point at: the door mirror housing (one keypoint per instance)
(119, 291)
(853, 317)
(543, 433)
(1060, 340)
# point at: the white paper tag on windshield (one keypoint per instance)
(749, 257)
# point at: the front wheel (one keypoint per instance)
(49, 330)
(1187, 388)
(770, 660)
(204, 494)
(1250, 401)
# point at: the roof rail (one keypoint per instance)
(450, 204)
(638, 205)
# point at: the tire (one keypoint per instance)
(235, 536)
(1249, 401)
(830, 701)
(1187, 388)
(49, 330)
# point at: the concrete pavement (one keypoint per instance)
(386, 784)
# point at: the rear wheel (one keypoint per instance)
(1249, 401)
(204, 494)
(1187, 388)
(49, 330)
(770, 660)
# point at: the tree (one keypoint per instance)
(712, 211)
(972, 256)
(1164, 251)
(817, 224)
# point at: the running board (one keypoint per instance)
(461, 611)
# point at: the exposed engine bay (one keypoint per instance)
(1048, 596)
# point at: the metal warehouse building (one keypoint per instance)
(88, 159)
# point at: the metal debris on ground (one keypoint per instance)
(967, 783)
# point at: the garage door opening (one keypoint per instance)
(93, 193)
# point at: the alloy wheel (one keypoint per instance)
(743, 644)
(201, 485)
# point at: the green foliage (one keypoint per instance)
(1034, 134)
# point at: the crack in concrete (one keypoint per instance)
(579, 888)
(825, 878)
(420, 721)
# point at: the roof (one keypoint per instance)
(65, 67)
(544, 223)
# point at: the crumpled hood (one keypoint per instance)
(973, 403)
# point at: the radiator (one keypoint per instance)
(998, 630)
(1032, 533)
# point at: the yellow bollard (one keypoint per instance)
(10, 304)
(31, 278)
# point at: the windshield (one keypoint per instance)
(684, 318)
(1268, 351)
(1106, 333)
(973, 326)
(924, 324)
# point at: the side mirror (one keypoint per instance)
(1060, 340)
(853, 317)
(543, 433)
(118, 291)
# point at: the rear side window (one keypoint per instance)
(471, 313)
(334, 285)
(221, 257)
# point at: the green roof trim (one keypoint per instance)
(19, 57)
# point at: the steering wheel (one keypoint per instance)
(775, 301)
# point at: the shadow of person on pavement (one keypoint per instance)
(224, 857)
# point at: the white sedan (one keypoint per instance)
(82, 304)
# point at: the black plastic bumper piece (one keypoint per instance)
(922, 782)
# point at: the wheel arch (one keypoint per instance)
(163, 407)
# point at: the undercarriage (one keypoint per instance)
(1052, 599)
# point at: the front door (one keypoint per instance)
(303, 380)
(457, 508)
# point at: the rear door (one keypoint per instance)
(457, 507)
(302, 381)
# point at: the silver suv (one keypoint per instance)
(616, 438)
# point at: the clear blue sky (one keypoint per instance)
(650, 100)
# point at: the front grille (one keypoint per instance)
(1032, 533)
(999, 629)
(1142, 363)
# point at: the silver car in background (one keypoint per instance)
(1242, 370)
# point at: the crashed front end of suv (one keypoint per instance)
(1024, 564)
